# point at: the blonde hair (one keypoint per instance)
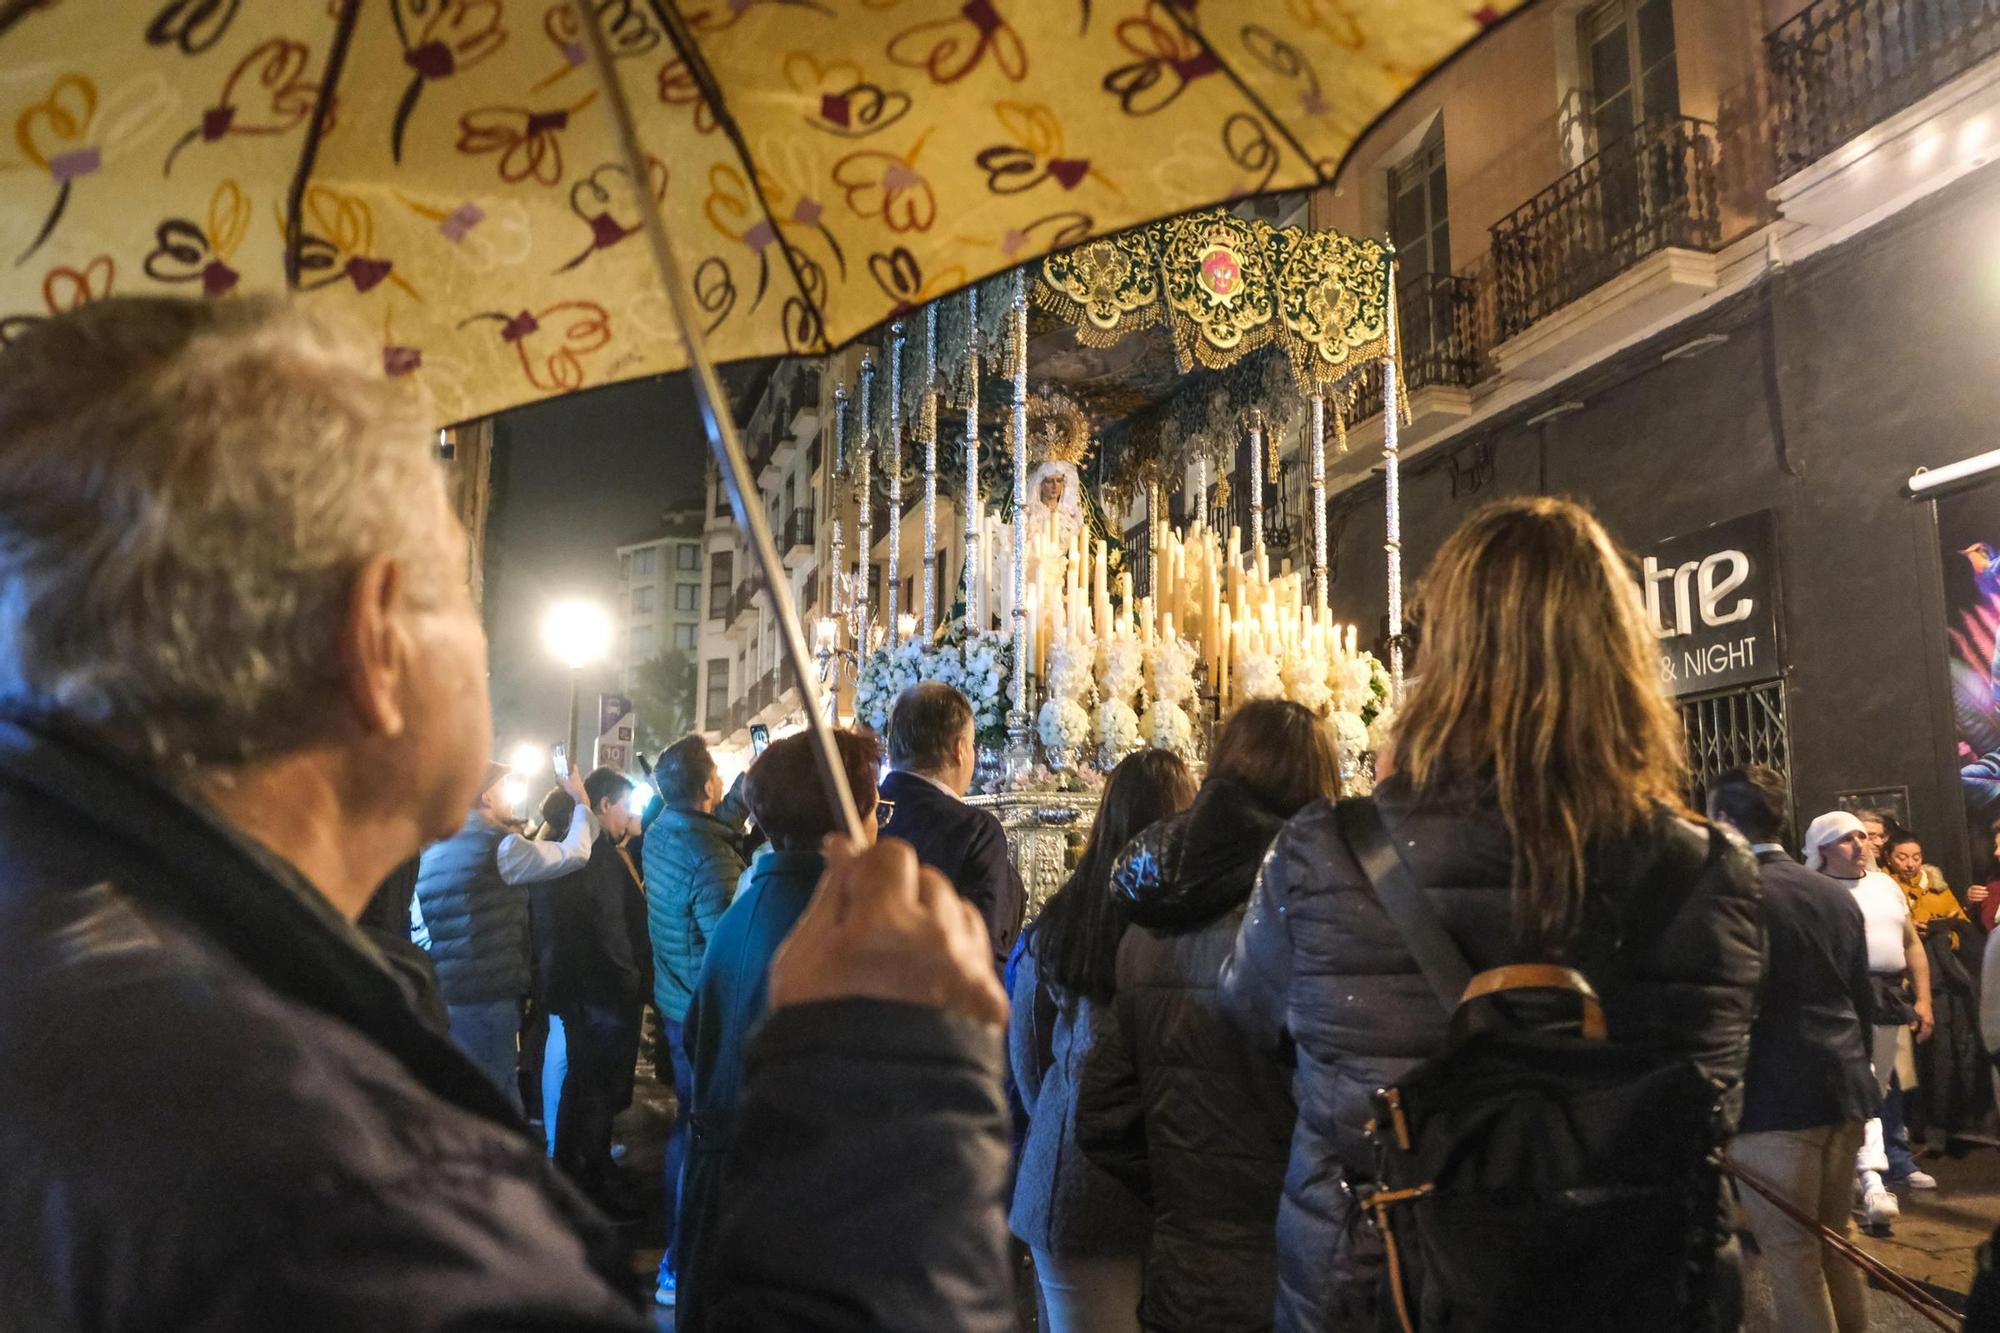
(1541, 674)
(187, 490)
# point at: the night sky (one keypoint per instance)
(574, 478)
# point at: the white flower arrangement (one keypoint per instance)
(1170, 669)
(976, 665)
(1305, 685)
(1069, 668)
(1120, 674)
(1117, 731)
(1350, 733)
(1166, 727)
(1380, 728)
(1258, 676)
(1064, 728)
(889, 671)
(1347, 679)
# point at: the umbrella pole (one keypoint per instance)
(721, 427)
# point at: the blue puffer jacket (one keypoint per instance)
(1675, 957)
(478, 923)
(693, 861)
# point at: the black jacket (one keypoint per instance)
(583, 938)
(963, 844)
(1809, 1046)
(1176, 1102)
(1318, 963)
(220, 1113)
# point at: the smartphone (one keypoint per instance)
(560, 754)
(760, 736)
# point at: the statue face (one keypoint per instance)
(1052, 489)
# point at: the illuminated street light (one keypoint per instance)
(577, 634)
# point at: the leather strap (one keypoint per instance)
(1438, 956)
(1542, 976)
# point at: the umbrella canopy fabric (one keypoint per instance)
(444, 170)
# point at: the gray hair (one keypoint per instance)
(187, 491)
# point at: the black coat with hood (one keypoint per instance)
(1181, 1106)
(1673, 945)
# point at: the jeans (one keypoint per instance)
(555, 1067)
(1089, 1295)
(594, 1037)
(1896, 1136)
(673, 1035)
(489, 1032)
(1814, 1289)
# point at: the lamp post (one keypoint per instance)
(578, 634)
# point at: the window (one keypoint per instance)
(1628, 49)
(643, 559)
(1420, 226)
(721, 499)
(687, 556)
(684, 637)
(720, 571)
(715, 709)
(642, 600)
(684, 597)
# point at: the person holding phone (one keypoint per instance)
(469, 888)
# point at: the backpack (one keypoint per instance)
(1535, 1175)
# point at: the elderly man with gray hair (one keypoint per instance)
(241, 680)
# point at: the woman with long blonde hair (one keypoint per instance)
(1538, 789)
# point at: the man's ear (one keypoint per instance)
(375, 647)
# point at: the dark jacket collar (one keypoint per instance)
(173, 854)
(905, 785)
(1191, 868)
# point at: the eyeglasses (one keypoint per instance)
(884, 812)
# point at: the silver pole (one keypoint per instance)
(893, 460)
(1017, 336)
(864, 522)
(713, 401)
(1392, 489)
(1319, 497)
(836, 548)
(975, 617)
(927, 424)
(1256, 484)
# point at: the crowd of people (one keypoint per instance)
(243, 748)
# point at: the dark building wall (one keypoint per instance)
(1841, 376)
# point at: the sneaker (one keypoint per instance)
(665, 1293)
(1917, 1180)
(1879, 1206)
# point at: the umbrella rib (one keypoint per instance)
(1193, 33)
(704, 78)
(336, 59)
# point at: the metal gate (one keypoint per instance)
(1734, 728)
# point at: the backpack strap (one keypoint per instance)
(1438, 957)
(1543, 976)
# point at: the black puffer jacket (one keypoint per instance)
(1319, 964)
(1182, 1107)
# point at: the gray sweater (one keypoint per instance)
(1063, 1203)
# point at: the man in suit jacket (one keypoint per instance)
(932, 752)
(1808, 1089)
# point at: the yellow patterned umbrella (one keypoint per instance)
(468, 176)
(446, 170)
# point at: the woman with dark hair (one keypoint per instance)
(1087, 1231)
(1537, 803)
(1174, 1102)
(731, 993)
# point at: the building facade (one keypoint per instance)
(659, 593)
(1702, 262)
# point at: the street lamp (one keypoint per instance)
(578, 634)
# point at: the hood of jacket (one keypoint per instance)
(1190, 868)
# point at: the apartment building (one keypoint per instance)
(659, 593)
(1705, 263)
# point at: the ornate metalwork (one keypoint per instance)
(864, 519)
(1734, 728)
(1105, 288)
(927, 426)
(893, 460)
(1040, 829)
(1020, 743)
(973, 570)
(1651, 190)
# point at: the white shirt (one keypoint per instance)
(523, 861)
(1885, 912)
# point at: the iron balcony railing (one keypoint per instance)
(1653, 189)
(741, 603)
(1440, 343)
(799, 529)
(1839, 66)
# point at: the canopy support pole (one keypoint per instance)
(1392, 490)
(713, 402)
(1020, 744)
(1318, 404)
(927, 424)
(975, 607)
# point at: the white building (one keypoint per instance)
(660, 584)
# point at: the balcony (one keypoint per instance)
(1621, 241)
(1839, 67)
(741, 606)
(796, 539)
